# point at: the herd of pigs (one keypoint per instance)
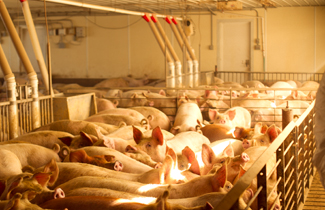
(137, 153)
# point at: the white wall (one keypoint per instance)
(295, 42)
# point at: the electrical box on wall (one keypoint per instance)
(80, 32)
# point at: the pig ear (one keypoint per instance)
(212, 114)
(294, 94)
(109, 158)
(14, 202)
(232, 114)
(78, 156)
(207, 154)
(66, 140)
(172, 154)
(220, 178)
(2, 186)
(272, 132)
(137, 135)
(13, 185)
(162, 92)
(229, 151)
(108, 142)
(264, 129)
(175, 129)
(237, 132)
(208, 206)
(52, 167)
(130, 149)
(190, 155)
(241, 172)
(258, 128)
(87, 138)
(165, 170)
(207, 93)
(157, 134)
(42, 178)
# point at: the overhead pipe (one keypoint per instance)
(26, 62)
(9, 77)
(178, 65)
(190, 51)
(103, 8)
(189, 73)
(170, 73)
(35, 43)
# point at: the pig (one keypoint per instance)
(155, 116)
(19, 202)
(216, 132)
(79, 141)
(100, 202)
(186, 163)
(209, 159)
(203, 184)
(140, 156)
(113, 93)
(108, 127)
(116, 143)
(10, 164)
(125, 132)
(106, 161)
(156, 145)
(70, 170)
(28, 155)
(233, 117)
(123, 111)
(186, 118)
(72, 126)
(112, 82)
(132, 82)
(254, 153)
(43, 138)
(253, 84)
(117, 119)
(132, 98)
(37, 182)
(280, 93)
(263, 136)
(217, 81)
(129, 165)
(306, 86)
(104, 104)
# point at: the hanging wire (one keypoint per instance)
(113, 28)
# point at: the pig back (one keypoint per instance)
(129, 165)
(215, 132)
(32, 155)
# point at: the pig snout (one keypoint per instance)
(158, 165)
(245, 157)
(118, 166)
(130, 149)
(246, 144)
(58, 193)
(222, 121)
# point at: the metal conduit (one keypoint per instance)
(170, 74)
(189, 73)
(189, 49)
(25, 60)
(178, 65)
(35, 42)
(11, 93)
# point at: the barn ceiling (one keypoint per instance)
(158, 6)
